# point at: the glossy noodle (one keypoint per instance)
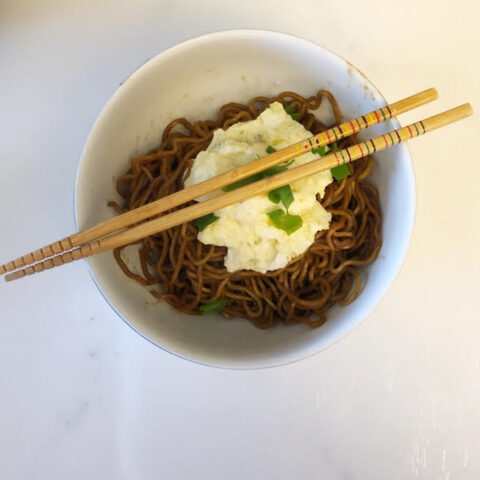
(179, 269)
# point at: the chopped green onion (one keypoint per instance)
(278, 168)
(340, 172)
(285, 221)
(205, 221)
(283, 194)
(258, 176)
(290, 109)
(322, 151)
(271, 149)
(214, 306)
(242, 182)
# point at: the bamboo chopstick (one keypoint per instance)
(183, 196)
(192, 212)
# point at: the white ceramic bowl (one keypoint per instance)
(193, 80)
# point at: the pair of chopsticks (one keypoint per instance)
(118, 231)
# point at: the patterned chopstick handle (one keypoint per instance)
(345, 129)
(368, 120)
(381, 142)
(403, 134)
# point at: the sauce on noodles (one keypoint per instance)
(178, 268)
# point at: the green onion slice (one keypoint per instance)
(271, 149)
(290, 109)
(340, 172)
(205, 221)
(215, 306)
(285, 221)
(283, 194)
(322, 151)
(258, 176)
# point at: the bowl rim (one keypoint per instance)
(410, 209)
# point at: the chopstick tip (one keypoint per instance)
(433, 92)
(14, 276)
(469, 109)
(463, 111)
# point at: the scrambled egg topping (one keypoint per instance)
(253, 242)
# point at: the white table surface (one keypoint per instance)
(84, 397)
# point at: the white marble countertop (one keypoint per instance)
(84, 397)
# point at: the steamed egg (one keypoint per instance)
(252, 240)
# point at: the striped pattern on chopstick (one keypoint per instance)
(345, 129)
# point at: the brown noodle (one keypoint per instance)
(188, 273)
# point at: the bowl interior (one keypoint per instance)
(193, 80)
